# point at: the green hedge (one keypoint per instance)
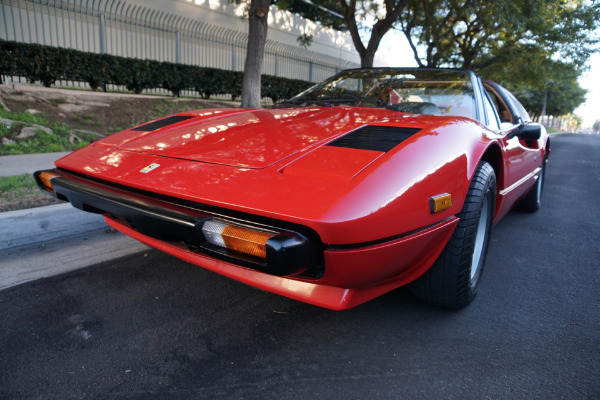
(46, 64)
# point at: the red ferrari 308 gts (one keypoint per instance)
(368, 181)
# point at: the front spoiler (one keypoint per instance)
(335, 290)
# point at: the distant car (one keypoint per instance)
(371, 180)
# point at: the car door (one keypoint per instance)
(523, 156)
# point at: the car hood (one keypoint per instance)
(248, 138)
(331, 188)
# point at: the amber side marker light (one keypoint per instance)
(45, 178)
(237, 238)
(440, 202)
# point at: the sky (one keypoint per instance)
(395, 51)
(590, 110)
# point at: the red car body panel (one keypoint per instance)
(370, 208)
(343, 285)
(341, 210)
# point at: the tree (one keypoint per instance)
(327, 12)
(351, 15)
(555, 81)
(516, 42)
(479, 33)
(257, 37)
(597, 125)
(354, 13)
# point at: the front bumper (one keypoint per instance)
(298, 265)
(288, 252)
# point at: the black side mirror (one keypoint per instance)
(530, 131)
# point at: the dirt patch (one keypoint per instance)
(27, 198)
(102, 113)
(92, 115)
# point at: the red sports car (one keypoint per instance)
(371, 180)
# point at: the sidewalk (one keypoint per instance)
(45, 241)
(28, 163)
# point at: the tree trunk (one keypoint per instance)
(393, 9)
(367, 57)
(257, 37)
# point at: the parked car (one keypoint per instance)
(371, 180)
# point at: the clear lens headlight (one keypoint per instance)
(238, 238)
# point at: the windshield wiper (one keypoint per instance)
(285, 103)
(303, 103)
(329, 101)
(348, 98)
(360, 99)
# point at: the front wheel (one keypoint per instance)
(453, 280)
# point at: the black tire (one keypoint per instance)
(453, 280)
(532, 201)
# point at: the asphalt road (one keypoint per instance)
(151, 326)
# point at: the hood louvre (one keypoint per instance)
(161, 123)
(376, 138)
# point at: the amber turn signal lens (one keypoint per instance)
(237, 238)
(440, 202)
(46, 179)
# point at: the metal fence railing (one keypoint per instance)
(127, 29)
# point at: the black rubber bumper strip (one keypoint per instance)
(288, 253)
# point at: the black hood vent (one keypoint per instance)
(377, 138)
(161, 123)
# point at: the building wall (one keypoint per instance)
(209, 33)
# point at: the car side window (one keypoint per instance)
(520, 109)
(502, 102)
(493, 122)
(502, 109)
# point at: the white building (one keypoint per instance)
(209, 33)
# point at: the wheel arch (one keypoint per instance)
(493, 155)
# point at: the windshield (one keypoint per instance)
(417, 91)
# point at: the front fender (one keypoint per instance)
(391, 196)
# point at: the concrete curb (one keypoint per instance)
(46, 241)
(57, 258)
(35, 226)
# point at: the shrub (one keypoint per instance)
(175, 77)
(48, 64)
